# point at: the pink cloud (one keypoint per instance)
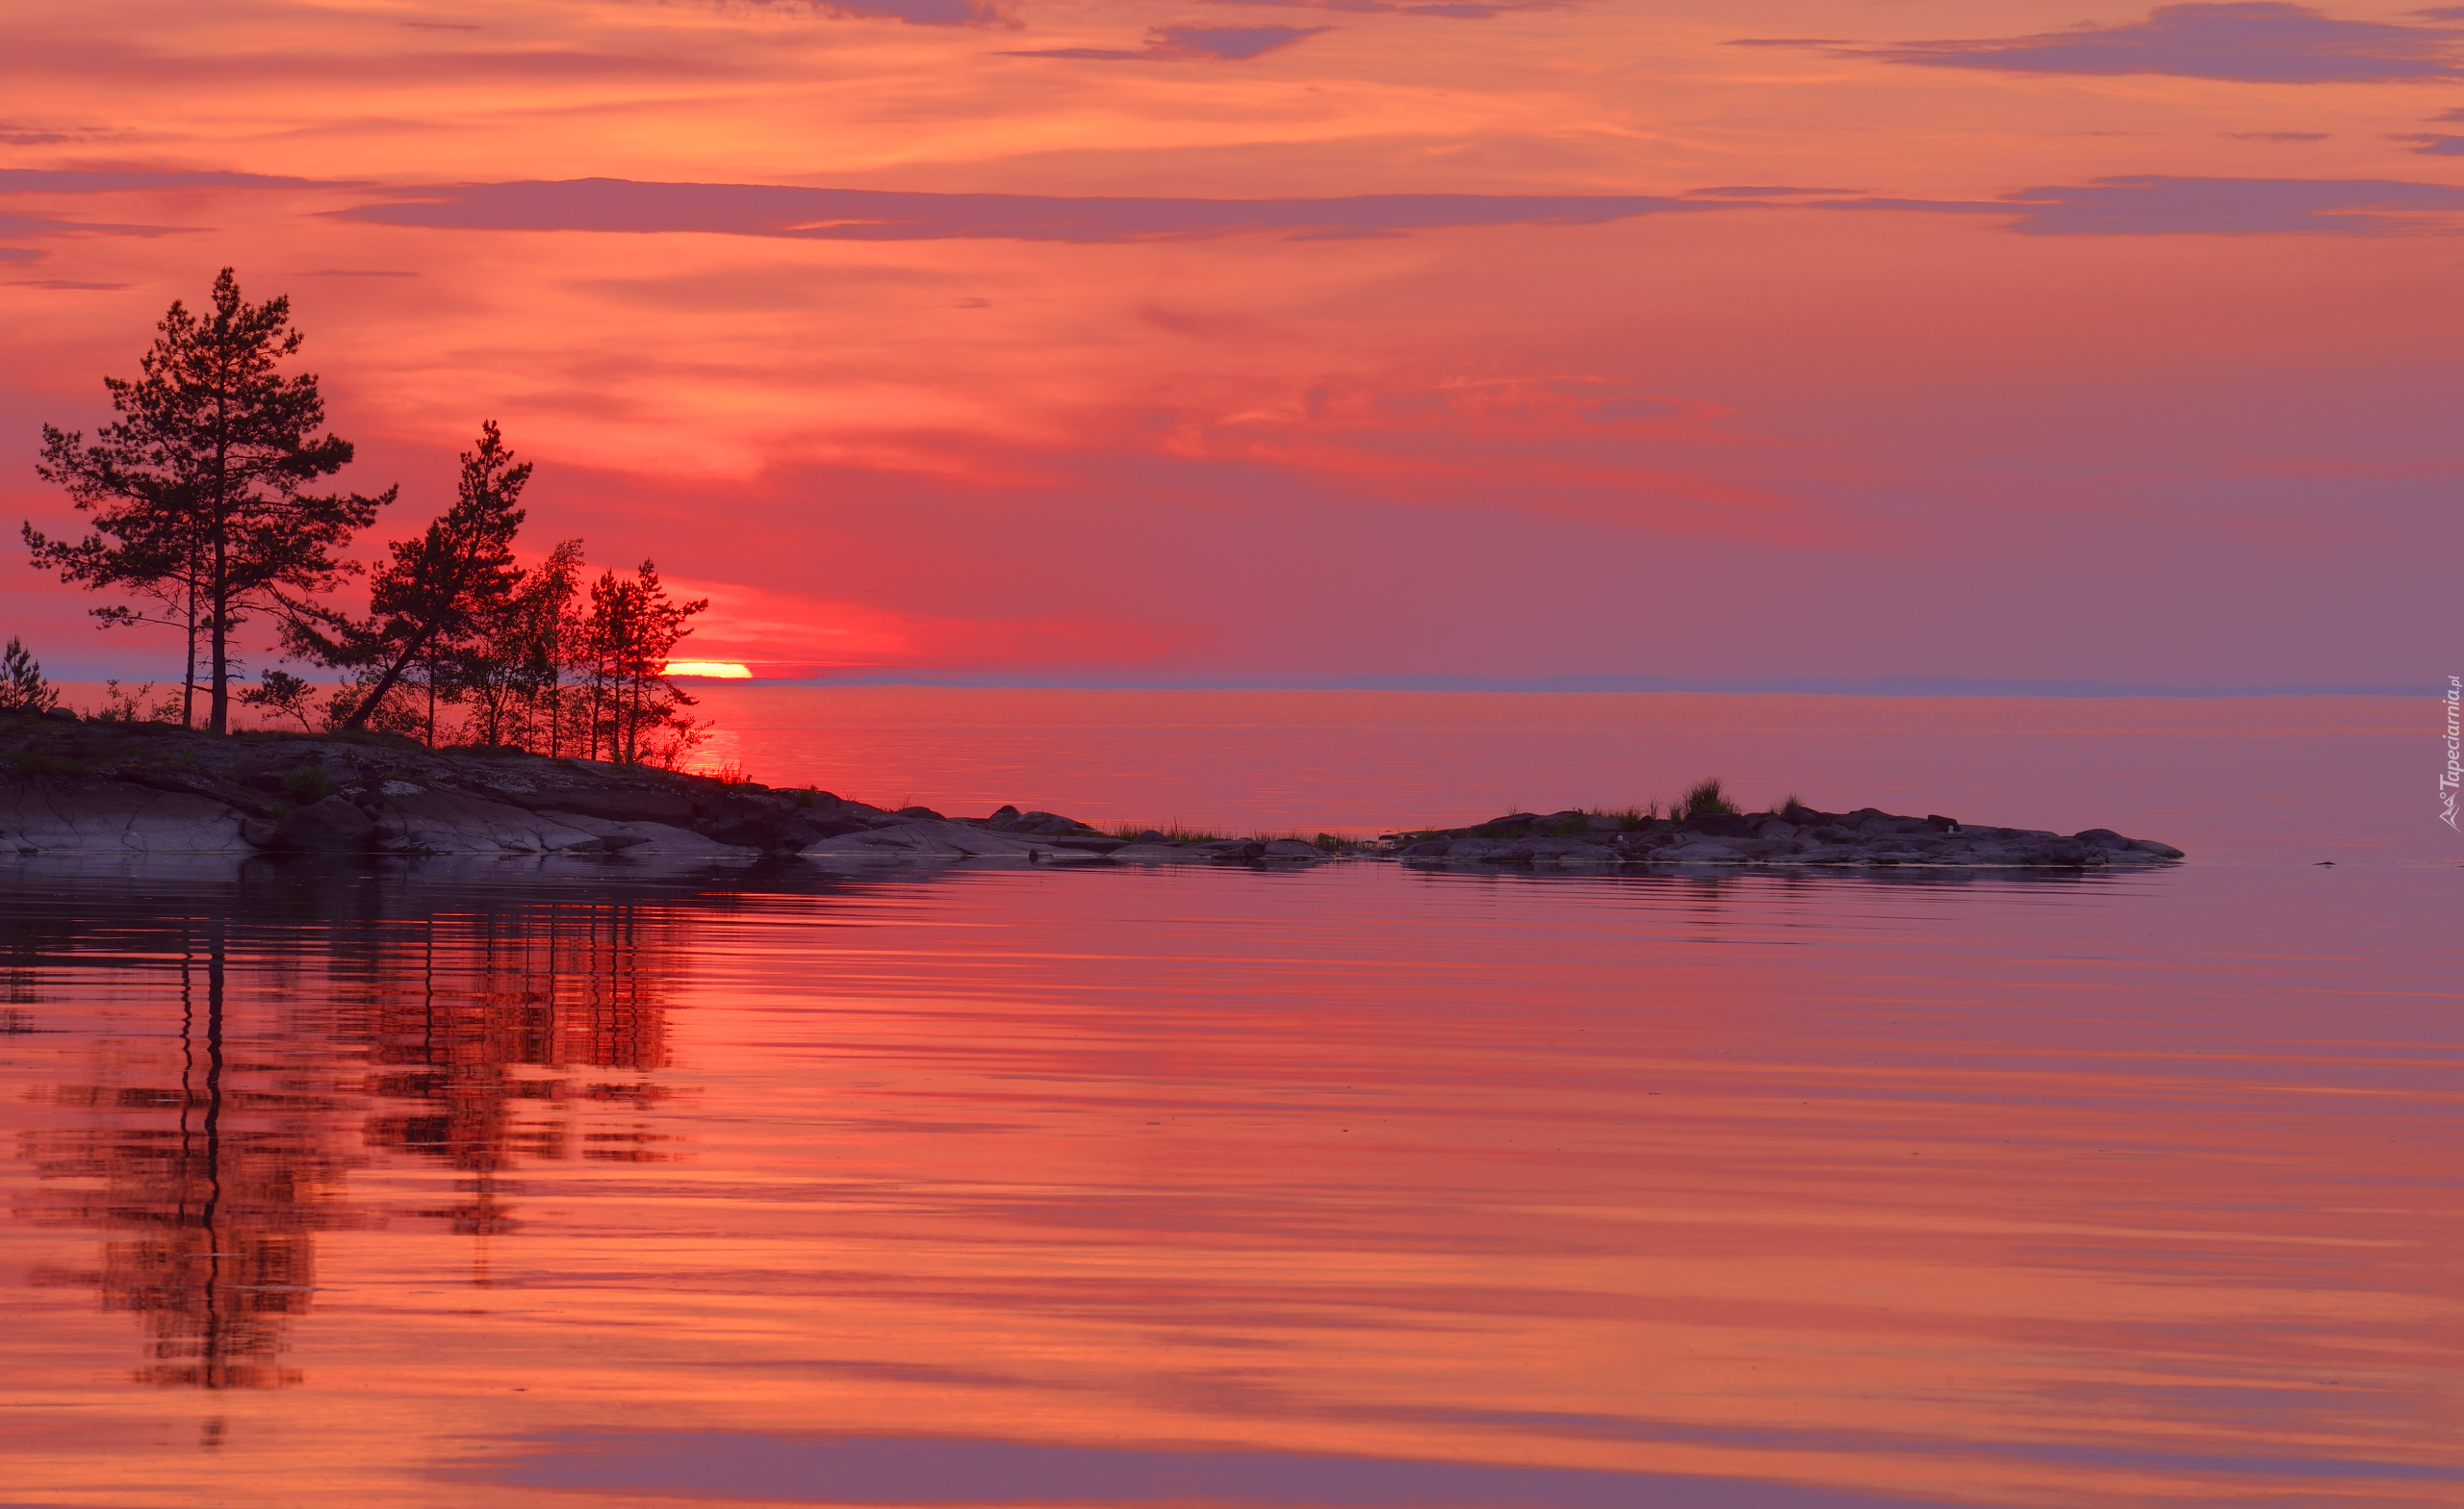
(1578, 447)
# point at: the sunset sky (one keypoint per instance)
(1229, 341)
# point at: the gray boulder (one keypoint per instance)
(1153, 853)
(1051, 825)
(332, 826)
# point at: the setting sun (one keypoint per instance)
(717, 670)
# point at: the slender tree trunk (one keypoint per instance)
(188, 682)
(417, 648)
(218, 714)
(367, 705)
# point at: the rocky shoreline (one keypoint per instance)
(72, 787)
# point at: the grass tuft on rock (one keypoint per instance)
(1172, 833)
(39, 762)
(1705, 799)
(307, 784)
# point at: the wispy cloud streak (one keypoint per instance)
(915, 13)
(2141, 205)
(615, 204)
(1189, 44)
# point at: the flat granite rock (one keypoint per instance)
(78, 786)
(449, 822)
(1702, 851)
(52, 819)
(650, 839)
(929, 839)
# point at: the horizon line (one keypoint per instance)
(1876, 686)
(1872, 687)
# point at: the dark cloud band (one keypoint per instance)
(1451, 9)
(2157, 206)
(1189, 44)
(2264, 43)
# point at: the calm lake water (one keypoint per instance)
(491, 1184)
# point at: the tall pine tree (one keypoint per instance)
(196, 491)
(437, 592)
(513, 669)
(622, 649)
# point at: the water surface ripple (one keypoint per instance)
(490, 1184)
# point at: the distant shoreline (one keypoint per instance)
(77, 786)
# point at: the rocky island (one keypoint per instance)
(71, 785)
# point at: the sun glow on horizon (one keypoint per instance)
(716, 670)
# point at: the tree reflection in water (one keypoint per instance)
(481, 1029)
(219, 1164)
(257, 1021)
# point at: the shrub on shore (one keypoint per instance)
(1705, 799)
(22, 687)
(307, 784)
(1172, 833)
